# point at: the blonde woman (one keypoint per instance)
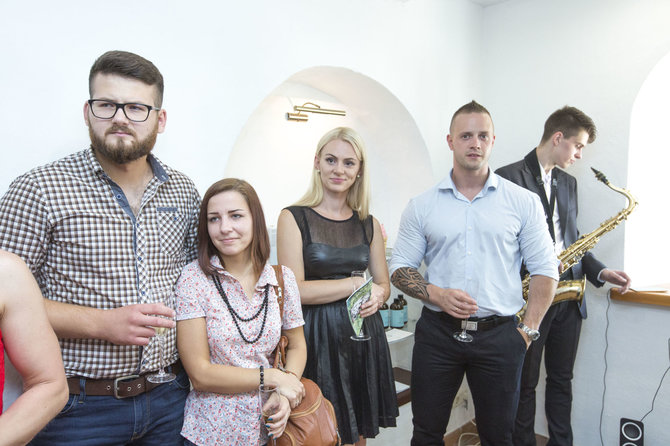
(323, 238)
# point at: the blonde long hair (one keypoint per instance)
(358, 196)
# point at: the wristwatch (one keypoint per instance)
(534, 335)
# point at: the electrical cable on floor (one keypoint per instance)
(656, 394)
(602, 405)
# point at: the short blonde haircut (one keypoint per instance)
(358, 196)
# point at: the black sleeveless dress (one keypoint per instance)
(356, 376)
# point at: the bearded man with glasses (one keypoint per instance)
(106, 232)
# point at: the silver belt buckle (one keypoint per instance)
(118, 381)
(469, 325)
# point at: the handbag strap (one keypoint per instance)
(279, 289)
(280, 351)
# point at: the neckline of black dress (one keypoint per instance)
(353, 215)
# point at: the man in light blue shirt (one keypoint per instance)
(473, 230)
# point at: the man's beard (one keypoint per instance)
(121, 153)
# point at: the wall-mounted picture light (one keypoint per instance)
(310, 107)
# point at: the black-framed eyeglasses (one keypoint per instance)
(103, 109)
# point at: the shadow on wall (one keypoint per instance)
(276, 155)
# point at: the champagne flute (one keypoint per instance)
(463, 335)
(268, 402)
(165, 297)
(361, 336)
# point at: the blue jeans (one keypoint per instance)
(153, 418)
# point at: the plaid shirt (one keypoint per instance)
(74, 228)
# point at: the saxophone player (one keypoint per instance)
(566, 132)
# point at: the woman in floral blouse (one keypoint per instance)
(228, 324)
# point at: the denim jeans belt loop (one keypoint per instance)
(121, 387)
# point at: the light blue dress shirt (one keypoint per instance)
(477, 246)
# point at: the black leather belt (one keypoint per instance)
(122, 387)
(473, 323)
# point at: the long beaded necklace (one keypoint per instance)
(237, 317)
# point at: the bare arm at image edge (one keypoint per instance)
(33, 349)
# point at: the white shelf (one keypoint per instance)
(400, 387)
(395, 335)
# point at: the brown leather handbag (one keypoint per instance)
(312, 422)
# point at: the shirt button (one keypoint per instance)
(118, 196)
(139, 258)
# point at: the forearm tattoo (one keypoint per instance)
(411, 282)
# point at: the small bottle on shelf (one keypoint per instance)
(396, 314)
(385, 313)
(403, 302)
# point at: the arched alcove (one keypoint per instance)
(276, 155)
(646, 239)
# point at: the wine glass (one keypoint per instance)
(463, 335)
(361, 336)
(268, 402)
(166, 297)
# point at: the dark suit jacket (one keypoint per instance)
(566, 198)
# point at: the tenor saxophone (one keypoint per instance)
(574, 289)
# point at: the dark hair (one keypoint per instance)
(125, 64)
(470, 107)
(260, 241)
(569, 121)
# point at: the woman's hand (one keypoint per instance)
(377, 298)
(276, 423)
(288, 385)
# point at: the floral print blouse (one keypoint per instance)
(233, 419)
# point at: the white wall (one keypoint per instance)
(220, 60)
(595, 54)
